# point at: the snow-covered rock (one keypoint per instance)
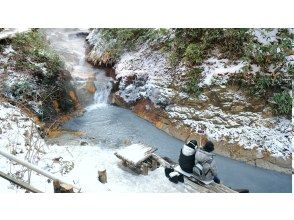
(152, 76)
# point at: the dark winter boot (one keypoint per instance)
(181, 178)
(174, 177)
(167, 171)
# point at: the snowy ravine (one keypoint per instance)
(75, 164)
(147, 74)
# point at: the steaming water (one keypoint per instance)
(71, 45)
(112, 125)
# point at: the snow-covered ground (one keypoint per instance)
(75, 164)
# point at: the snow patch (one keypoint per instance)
(265, 36)
(218, 68)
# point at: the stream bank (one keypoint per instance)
(242, 126)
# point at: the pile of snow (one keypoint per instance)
(246, 129)
(135, 152)
(152, 74)
(18, 132)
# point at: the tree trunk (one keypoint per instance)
(144, 169)
(102, 176)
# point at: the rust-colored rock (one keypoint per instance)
(73, 96)
(90, 87)
(116, 99)
(110, 72)
(146, 109)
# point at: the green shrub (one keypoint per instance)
(32, 52)
(196, 44)
(192, 86)
(194, 54)
(22, 90)
(123, 38)
(27, 42)
(290, 69)
(282, 103)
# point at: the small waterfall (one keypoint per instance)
(102, 93)
(101, 96)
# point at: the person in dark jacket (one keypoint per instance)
(187, 156)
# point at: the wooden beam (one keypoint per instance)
(35, 168)
(20, 183)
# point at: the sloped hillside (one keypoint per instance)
(33, 76)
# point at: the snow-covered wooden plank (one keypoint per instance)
(11, 32)
(135, 153)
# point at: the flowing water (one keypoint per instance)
(114, 126)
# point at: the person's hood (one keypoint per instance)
(188, 151)
(202, 156)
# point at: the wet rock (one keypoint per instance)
(117, 100)
(110, 72)
(90, 87)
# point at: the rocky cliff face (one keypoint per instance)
(241, 126)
